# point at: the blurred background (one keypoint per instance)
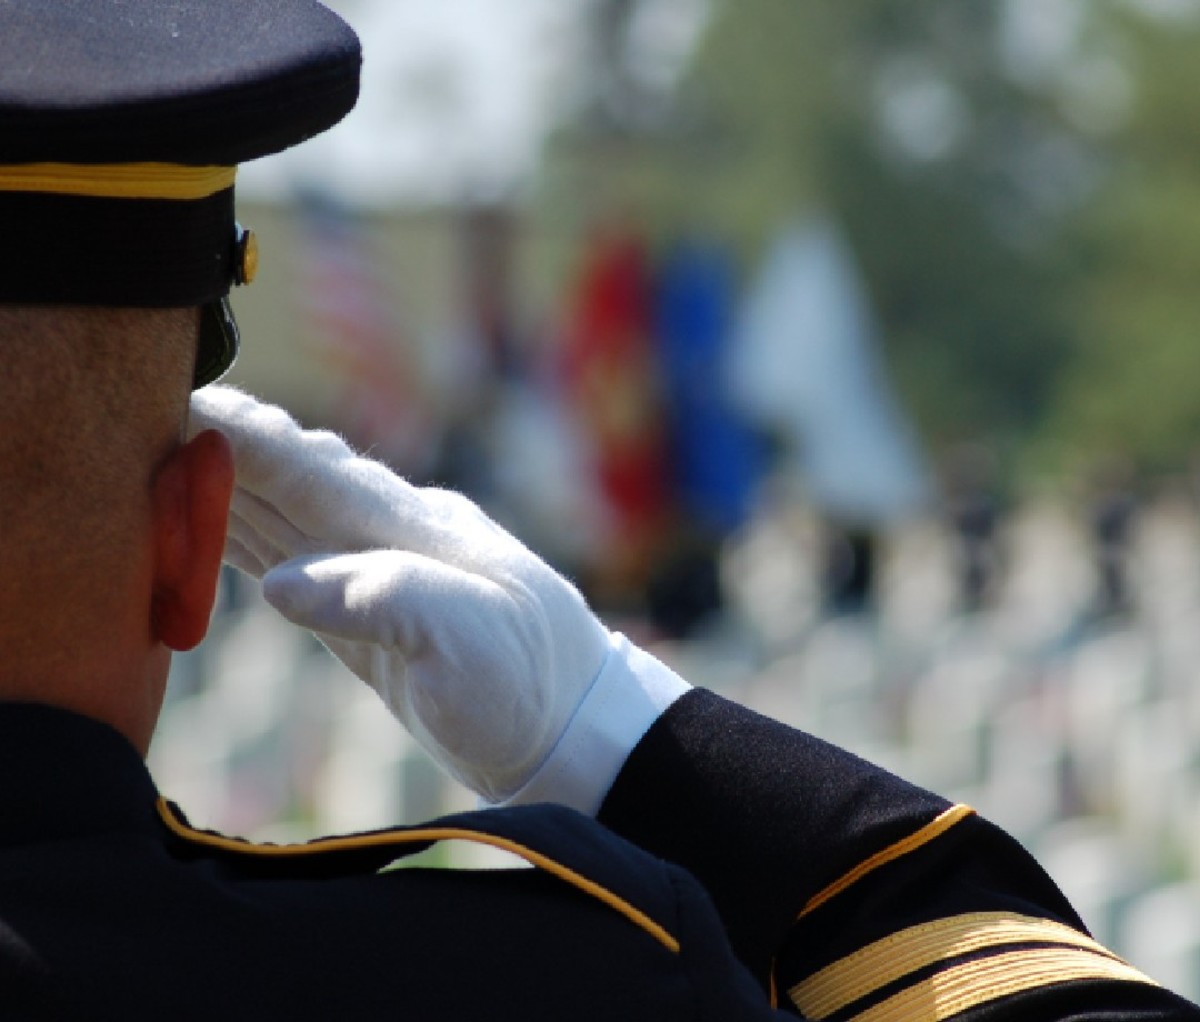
(846, 355)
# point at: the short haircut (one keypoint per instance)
(91, 399)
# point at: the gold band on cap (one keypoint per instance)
(118, 180)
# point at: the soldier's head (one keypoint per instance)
(122, 123)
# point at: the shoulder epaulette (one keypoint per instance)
(550, 838)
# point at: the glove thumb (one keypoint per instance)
(428, 638)
(390, 598)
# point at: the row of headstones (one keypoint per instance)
(268, 736)
(1104, 726)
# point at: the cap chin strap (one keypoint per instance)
(218, 343)
(118, 180)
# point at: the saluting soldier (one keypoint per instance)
(692, 860)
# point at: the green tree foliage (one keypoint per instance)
(1133, 384)
(1020, 180)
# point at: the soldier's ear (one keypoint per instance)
(191, 494)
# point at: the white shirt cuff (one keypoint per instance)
(630, 693)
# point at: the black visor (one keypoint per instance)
(218, 345)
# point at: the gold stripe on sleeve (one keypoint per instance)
(911, 843)
(887, 960)
(423, 835)
(988, 979)
(117, 180)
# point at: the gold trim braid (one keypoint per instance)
(118, 180)
(911, 843)
(988, 979)
(875, 966)
(420, 836)
(932, 830)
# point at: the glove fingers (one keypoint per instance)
(313, 482)
(307, 476)
(272, 530)
(354, 503)
(242, 559)
(263, 436)
(253, 544)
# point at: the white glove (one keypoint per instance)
(491, 659)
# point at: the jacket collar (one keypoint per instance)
(63, 775)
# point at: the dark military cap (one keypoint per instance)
(121, 125)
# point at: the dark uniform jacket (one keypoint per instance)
(813, 882)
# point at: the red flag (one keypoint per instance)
(613, 382)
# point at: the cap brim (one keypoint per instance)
(218, 344)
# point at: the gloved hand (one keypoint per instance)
(479, 648)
